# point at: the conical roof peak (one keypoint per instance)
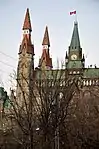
(27, 21)
(75, 41)
(46, 59)
(27, 45)
(46, 40)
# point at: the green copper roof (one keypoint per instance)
(75, 41)
(91, 73)
(60, 73)
(74, 64)
(50, 74)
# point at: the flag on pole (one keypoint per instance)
(73, 12)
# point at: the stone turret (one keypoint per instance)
(26, 59)
(45, 62)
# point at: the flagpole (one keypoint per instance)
(75, 18)
(74, 13)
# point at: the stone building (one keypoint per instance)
(74, 59)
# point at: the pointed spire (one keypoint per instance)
(27, 22)
(83, 57)
(45, 60)
(75, 41)
(27, 46)
(66, 55)
(83, 61)
(46, 40)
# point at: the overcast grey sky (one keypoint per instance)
(55, 14)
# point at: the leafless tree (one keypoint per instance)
(55, 113)
(83, 125)
(39, 119)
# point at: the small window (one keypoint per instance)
(84, 83)
(60, 95)
(97, 82)
(74, 72)
(77, 72)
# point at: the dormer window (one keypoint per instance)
(26, 31)
(45, 46)
(74, 72)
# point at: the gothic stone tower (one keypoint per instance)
(75, 62)
(74, 59)
(26, 59)
(45, 62)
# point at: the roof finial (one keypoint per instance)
(27, 22)
(46, 40)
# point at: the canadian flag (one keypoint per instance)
(73, 12)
